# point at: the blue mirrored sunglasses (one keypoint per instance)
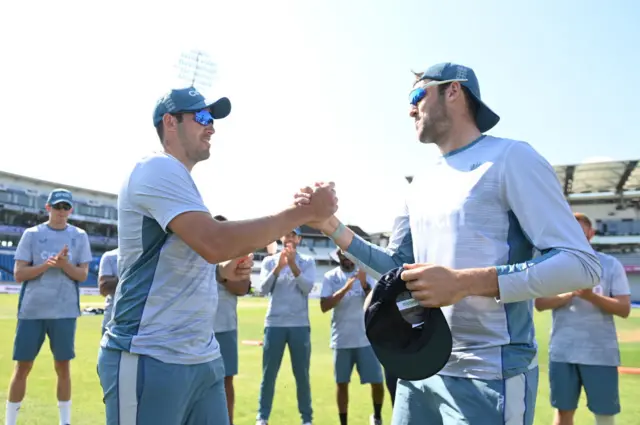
(203, 117)
(419, 93)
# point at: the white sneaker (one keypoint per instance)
(307, 423)
(374, 421)
(261, 422)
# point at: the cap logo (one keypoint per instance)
(194, 93)
(461, 73)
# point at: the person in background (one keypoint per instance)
(107, 282)
(51, 259)
(583, 351)
(344, 290)
(226, 330)
(288, 278)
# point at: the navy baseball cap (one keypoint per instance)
(486, 119)
(411, 344)
(189, 100)
(60, 195)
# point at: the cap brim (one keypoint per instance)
(221, 108)
(423, 363)
(60, 201)
(334, 256)
(486, 119)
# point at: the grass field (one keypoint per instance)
(39, 406)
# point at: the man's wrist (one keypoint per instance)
(219, 277)
(330, 226)
(481, 282)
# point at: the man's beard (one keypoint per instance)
(437, 124)
(347, 267)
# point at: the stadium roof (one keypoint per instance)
(616, 177)
(54, 184)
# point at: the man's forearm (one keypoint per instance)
(610, 305)
(330, 302)
(77, 273)
(26, 273)
(238, 238)
(239, 288)
(551, 303)
(107, 285)
(376, 260)
(553, 273)
(481, 282)
(344, 237)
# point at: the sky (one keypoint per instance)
(319, 89)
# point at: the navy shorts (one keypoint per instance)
(600, 384)
(365, 361)
(140, 390)
(30, 334)
(228, 342)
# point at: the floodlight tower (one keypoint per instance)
(197, 68)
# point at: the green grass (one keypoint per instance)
(39, 406)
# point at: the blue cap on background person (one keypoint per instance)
(189, 100)
(413, 344)
(486, 119)
(60, 195)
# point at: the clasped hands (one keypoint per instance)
(60, 260)
(431, 285)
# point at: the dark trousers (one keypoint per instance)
(391, 385)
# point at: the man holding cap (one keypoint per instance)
(344, 290)
(288, 278)
(159, 361)
(51, 259)
(467, 231)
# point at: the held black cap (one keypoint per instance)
(410, 341)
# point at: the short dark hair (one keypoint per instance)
(583, 219)
(160, 129)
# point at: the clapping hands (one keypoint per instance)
(60, 260)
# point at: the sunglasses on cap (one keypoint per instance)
(419, 93)
(61, 206)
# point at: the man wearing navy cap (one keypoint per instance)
(51, 259)
(287, 277)
(468, 230)
(159, 361)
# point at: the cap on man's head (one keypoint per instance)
(410, 341)
(334, 255)
(60, 195)
(297, 231)
(486, 119)
(189, 100)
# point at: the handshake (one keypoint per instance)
(320, 202)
